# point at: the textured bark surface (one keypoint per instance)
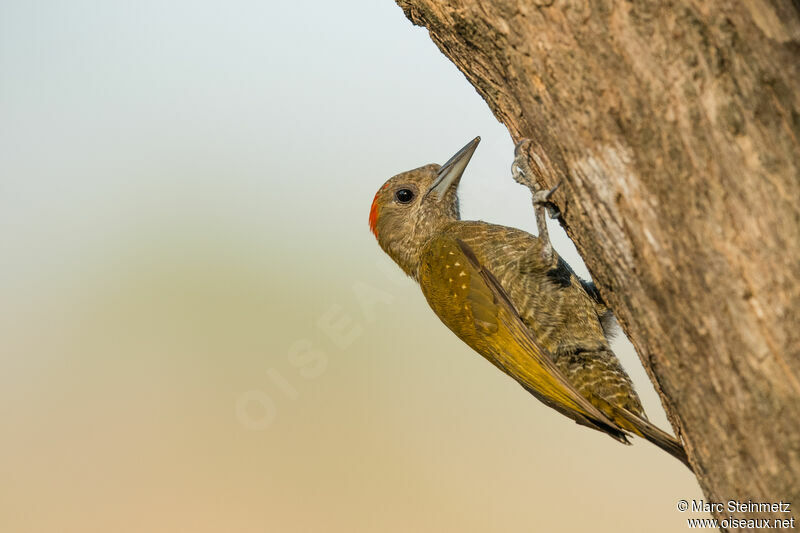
(674, 127)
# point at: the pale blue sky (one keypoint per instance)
(113, 109)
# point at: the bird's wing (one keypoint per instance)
(472, 303)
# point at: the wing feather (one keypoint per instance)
(473, 304)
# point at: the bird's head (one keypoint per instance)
(411, 207)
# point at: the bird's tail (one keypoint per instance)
(660, 438)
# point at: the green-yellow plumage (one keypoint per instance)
(469, 301)
(524, 311)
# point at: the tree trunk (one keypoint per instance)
(674, 128)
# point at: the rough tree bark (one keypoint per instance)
(674, 127)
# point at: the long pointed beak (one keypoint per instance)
(451, 171)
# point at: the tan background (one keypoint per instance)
(184, 191)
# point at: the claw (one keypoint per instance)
(522, 174)
(517, 147)
(542, 198)
(520, 169)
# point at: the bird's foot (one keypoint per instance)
(521, 171)
(541, 199)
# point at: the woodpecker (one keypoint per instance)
(511, 298)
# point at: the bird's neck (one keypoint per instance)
(407, 250)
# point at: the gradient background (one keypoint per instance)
(198, 332)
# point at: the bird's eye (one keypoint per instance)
(404, 195)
